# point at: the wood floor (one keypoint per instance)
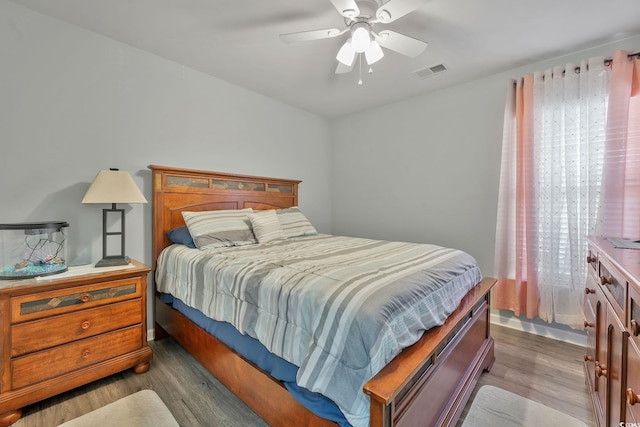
(541, 369)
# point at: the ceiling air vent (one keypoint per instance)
(429, 71)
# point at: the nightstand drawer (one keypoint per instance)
(67, 358)
(46, 304)
(28, 337)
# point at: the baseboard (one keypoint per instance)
(150, 334)
(572, 337)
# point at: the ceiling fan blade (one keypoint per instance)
(342, 69)
(401, 43)
(394, 9)
(304, 36)
(346, 8)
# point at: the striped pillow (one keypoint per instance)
(216, 229)
(294, 223)
(266, 226)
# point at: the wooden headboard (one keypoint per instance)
(176, 190)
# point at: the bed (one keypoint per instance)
(427, 383)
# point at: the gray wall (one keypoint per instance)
(422, 170)
(73, 103)
(426, 169)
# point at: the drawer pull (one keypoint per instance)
(588, 324)
(85, 354)
(589, 291)
(635, 329)
(85, 297)
(85, 325)
(600, 370)
(606, 280)
(632, 397)
(588, 358)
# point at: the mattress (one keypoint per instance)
(338, 308)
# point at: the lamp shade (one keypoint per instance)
(113, 186)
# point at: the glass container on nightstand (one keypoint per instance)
(32, 249)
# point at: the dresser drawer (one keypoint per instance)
(592, 261)
(590, 351)
(590, 296)
(29, 337)
(46, 304)
(633, 322)
(615, 287)
(60, 360)
(633, 380)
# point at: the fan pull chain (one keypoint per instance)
(360, 67)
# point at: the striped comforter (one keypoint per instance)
(338, 307)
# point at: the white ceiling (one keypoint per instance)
(237, 41)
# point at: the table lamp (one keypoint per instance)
(113, 186)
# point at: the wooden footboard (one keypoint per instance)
(427, 384)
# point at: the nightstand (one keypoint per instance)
(66, 330)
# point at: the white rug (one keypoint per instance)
(495, 407)
(141, 409)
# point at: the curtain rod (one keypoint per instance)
(607, 62)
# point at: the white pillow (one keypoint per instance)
(215, 229)
(294, 223)
(266, 226)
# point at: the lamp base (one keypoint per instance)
(112, 261)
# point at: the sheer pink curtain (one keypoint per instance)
(570, 145)
(570, 119)
(517, 288)
(621, 205)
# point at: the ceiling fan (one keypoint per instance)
(360, 17)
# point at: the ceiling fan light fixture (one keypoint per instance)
(360, 37)
(374, 53)
(346, 54)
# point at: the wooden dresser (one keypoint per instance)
(63, 331)
(612, 314)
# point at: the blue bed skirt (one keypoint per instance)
(252, 350)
